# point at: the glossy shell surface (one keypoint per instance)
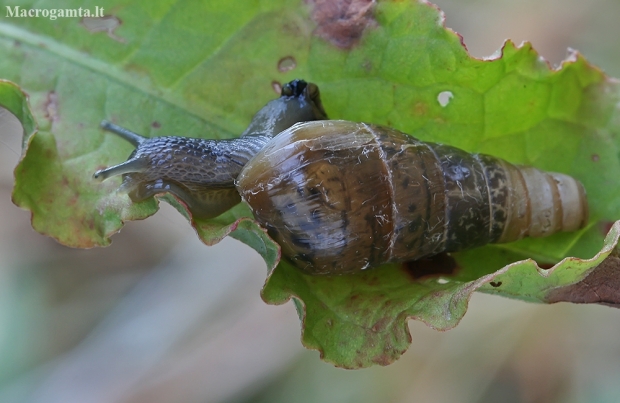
(341, 196)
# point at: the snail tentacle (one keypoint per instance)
(133, 137)
(129, 166)
(202, 172)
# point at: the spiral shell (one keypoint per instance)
(341, 196)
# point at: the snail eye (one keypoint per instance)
(294, 88)
(287, 91)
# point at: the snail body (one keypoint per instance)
(202, 172)
(342, 196)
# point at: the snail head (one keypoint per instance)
(201, 172)
(299, 102)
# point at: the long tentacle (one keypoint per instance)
(134, 138)
(132, 165)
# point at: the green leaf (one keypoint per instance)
(359, 320)
(202, 70)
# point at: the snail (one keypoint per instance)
(342, 196)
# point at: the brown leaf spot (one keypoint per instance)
(601, 286)
(420, 109)
(287, 63)
(380, 325)
(373, 281)
(51, 107)
(342, 22)
(605, 226)
(595, 158)
(290, 28)
(107, 24)
(383, 360)
(434, 266)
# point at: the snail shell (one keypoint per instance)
(341, 196)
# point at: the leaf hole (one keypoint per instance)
(287, 63)
(107, 24)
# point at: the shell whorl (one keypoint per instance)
(341, 196)
(542, 203)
